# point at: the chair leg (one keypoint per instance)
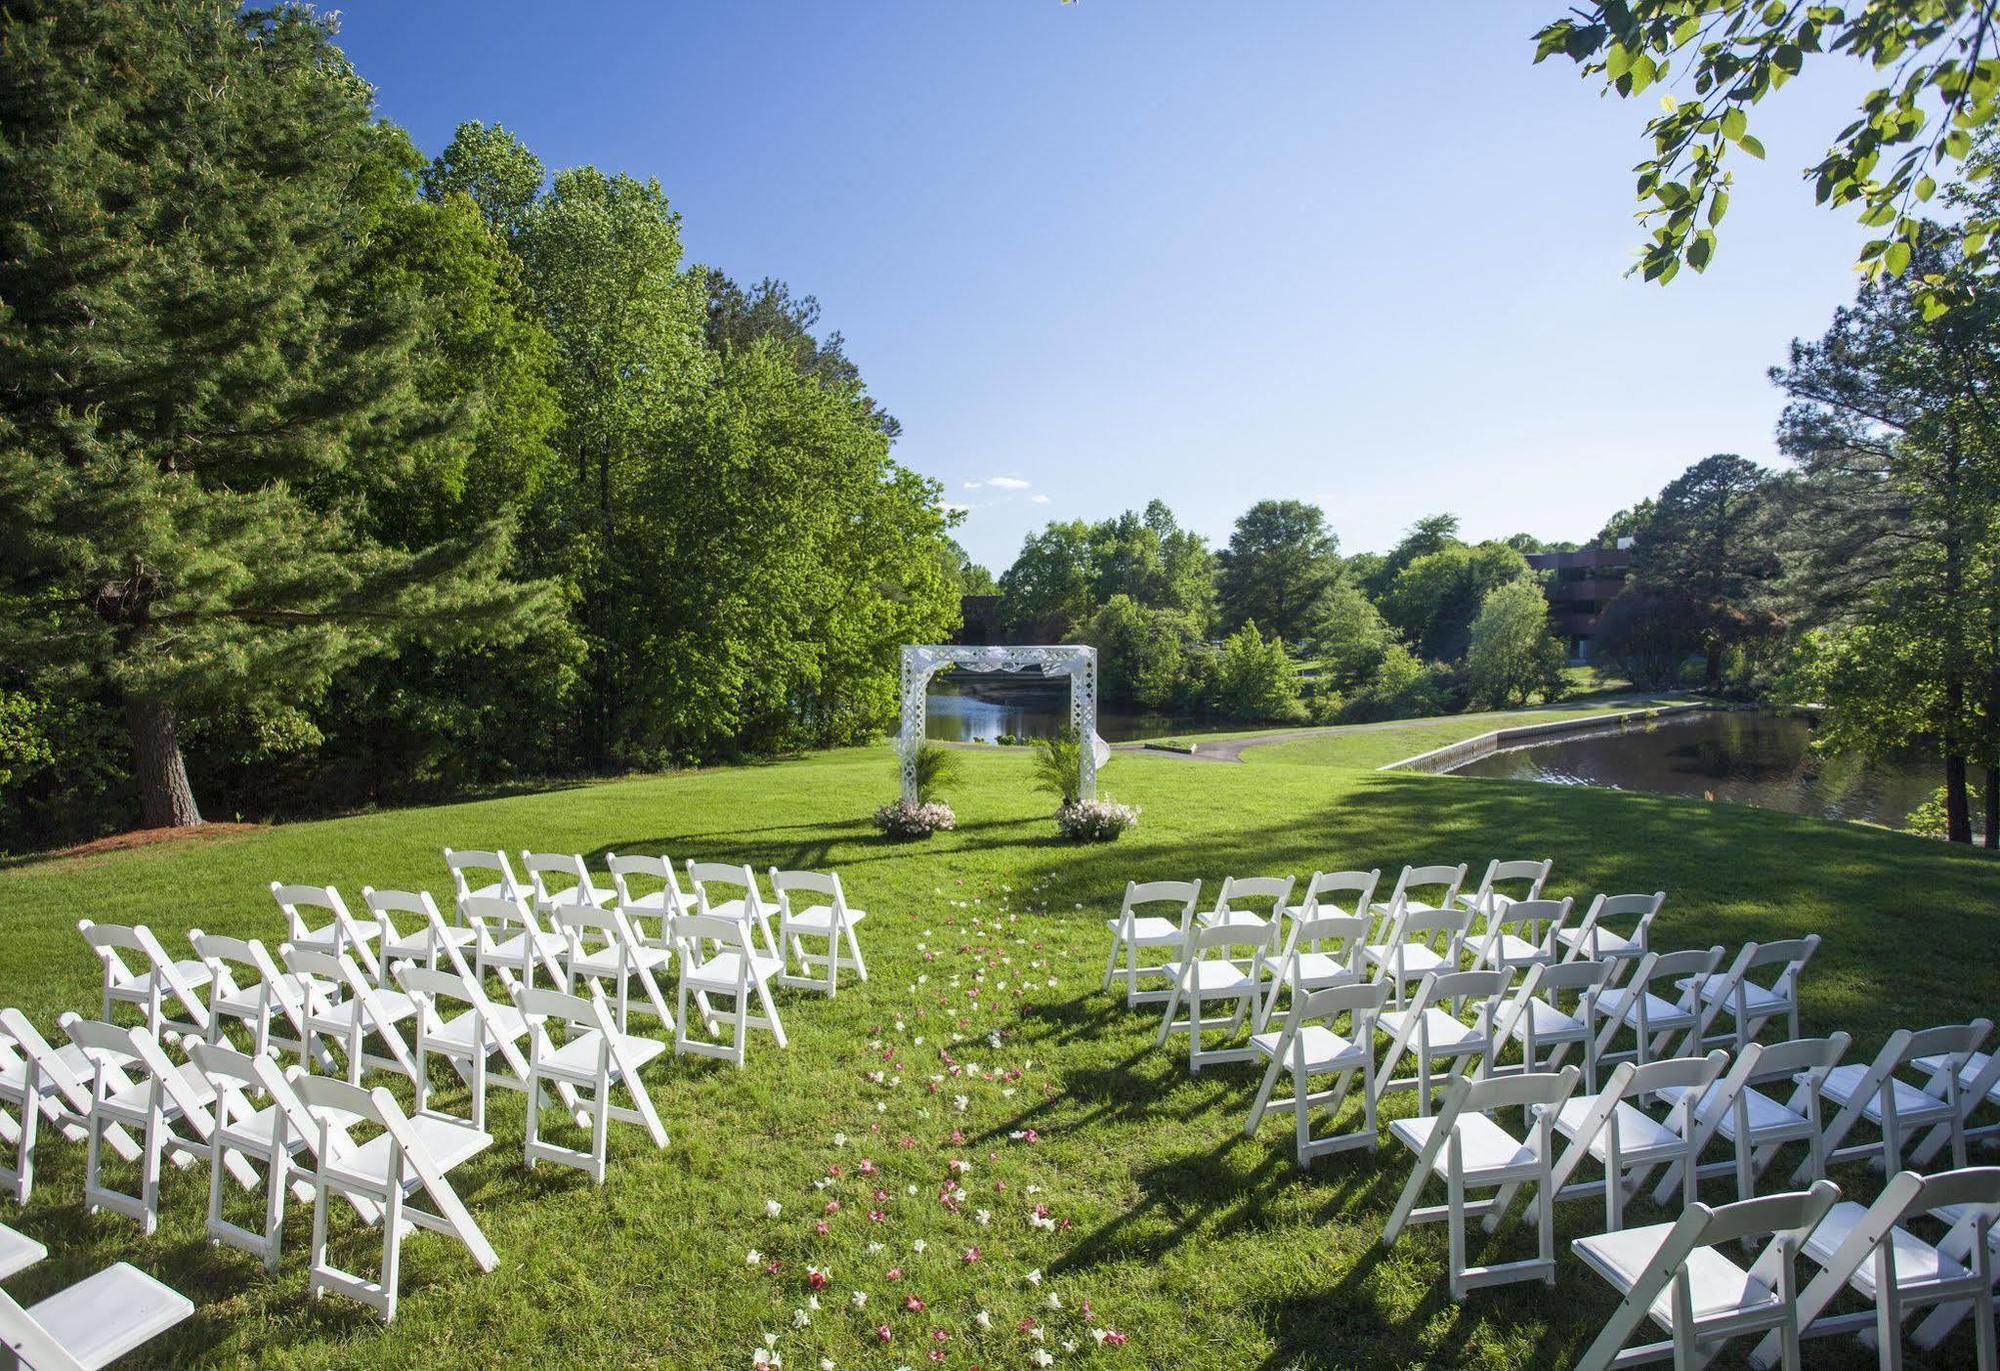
(1111, 965)
(1263, 1099)
(771, 1012)
(854, 947)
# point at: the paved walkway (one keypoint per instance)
(1231, 749)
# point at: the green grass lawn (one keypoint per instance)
(1198, 1245)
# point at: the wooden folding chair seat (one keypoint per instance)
(1434, 1028)
(720, 960)
(1978, 1083)
(830, 920)
(1220, 963)
(1489, 901)
(345, 1008)
(1871, 1251)
(1594, 937)
(1310, 1046)
(1463, 1147)
(92, 1323)
(1236, 904)
(1679, 1276)
(1655, 1022)
(510, 942)
(595, 1060)
(652, 912)
(1536, 1019)
(134, 1086)
(1612, 1129)
(1520, 934)
(560, 880)
(1747, 1002)
(1422, 890)
(149, 987)
(405, 1159)
(1897, 1108)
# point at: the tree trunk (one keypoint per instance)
(1957, 814)
(1714, 668)
(1993, 807)
(166, 800)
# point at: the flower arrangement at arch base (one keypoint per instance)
(936, 768)
(1059, 771)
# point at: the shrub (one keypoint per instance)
(1059, 766)
(938, 769)
(1512, 654)
(906, 820)
(1095, 821)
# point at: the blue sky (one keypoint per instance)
(1365, 255)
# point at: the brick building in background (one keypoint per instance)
(1579, 585)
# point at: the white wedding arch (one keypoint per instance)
(1076, 662)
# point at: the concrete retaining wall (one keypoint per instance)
(1457, 754)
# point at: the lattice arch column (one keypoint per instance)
(1077, 662)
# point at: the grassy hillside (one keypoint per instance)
(1199, 1246)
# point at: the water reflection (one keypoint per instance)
(968, 706)
(1749, 757)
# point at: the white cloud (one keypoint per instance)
(953, 507)
(974, 485)
(1038, 499)
(1007, 483)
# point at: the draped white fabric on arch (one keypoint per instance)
(1077, 662)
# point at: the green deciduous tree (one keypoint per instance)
(1433, 600)
(1718, 58)
(1511, 654)
(1256, 679)
(1280, 560)
(1707, 546)
(204, 367)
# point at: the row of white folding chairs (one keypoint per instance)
(88, 1324)
(560, 880)
(1675, 1273)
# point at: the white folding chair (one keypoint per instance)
(341, 934)
(1978, 1076)
(1521, 934)
(427, 934)
(594, 1059)
(1432, 1027)
(1132, 930)
(603, 947)
(1420, 888)
(658, 907)
(1677, 1275)
(1489, 900)
(1534, 1016)
(92, 1323)
(469, 1040)
(509, 941)
(1310, 1045)
(1235, 904)
(1223, 962)
(560, 880)
(709, 882)
(1420, 942)
(491, 870)
(18, 1252)
(1751, 1005)
(1755, 1124)
(1610, 1128)
(720, 960)
(1594, 938)
(1463, 1147)
(1871, 1251)
(148, 988)
(134, 1086)
(1323, 948)
(346, 1008)
(265, 1135)
(1654, 1020)
(263, 995)
(46, 1084)
(831, 919)
(1336, 892)
(406, 1158)
(1874, 1094)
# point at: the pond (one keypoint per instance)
(974, 706)
(1752, 757)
